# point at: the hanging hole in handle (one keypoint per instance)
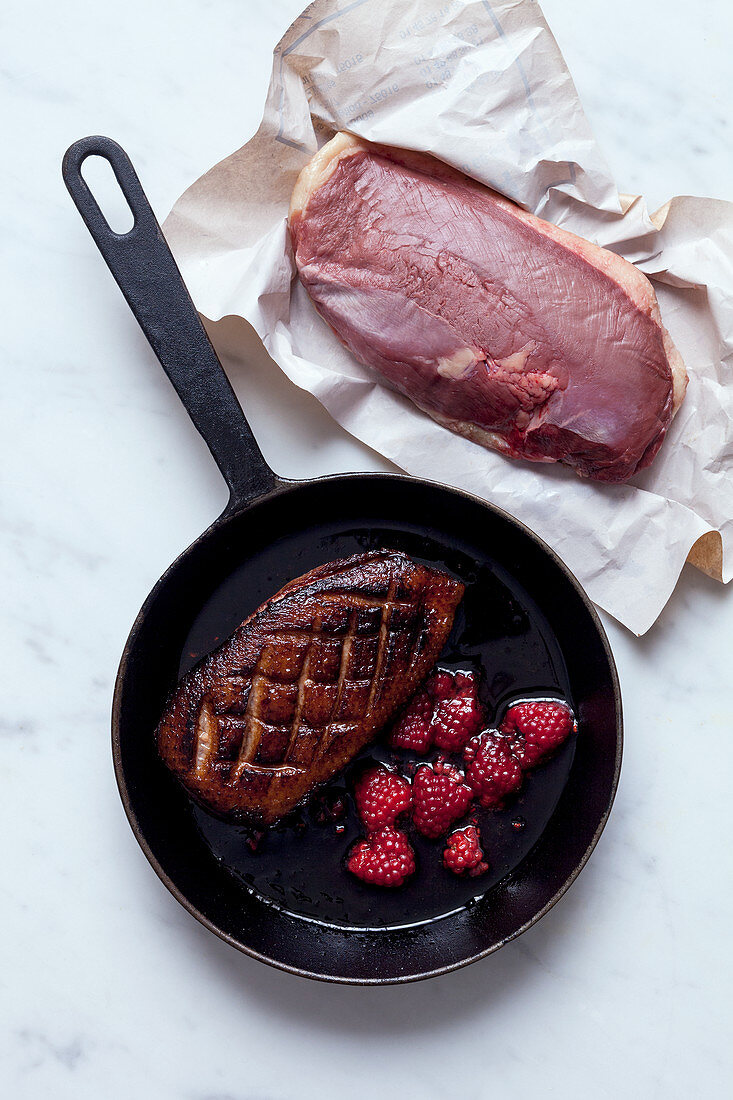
(101, 180)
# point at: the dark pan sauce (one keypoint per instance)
(499, 632)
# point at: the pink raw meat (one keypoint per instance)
(501, 326)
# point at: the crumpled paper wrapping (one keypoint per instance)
(484, 87)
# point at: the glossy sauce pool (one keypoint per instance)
(499, 632)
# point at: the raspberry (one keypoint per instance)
(492, 771)
(446, 712)
(439, 798)
(413, 729)
(536, 729)
(381, 796)
(463, 854)
(455, 720)
(385, 858)
(440, 684)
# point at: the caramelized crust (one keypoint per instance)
(305, 683)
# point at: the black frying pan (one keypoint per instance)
(525, 620)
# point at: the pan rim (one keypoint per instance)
(234, 511)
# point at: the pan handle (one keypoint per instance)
(148, 276)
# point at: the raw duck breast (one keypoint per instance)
(502, 327)
(306, 682)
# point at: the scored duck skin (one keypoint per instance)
(504, 328)
(305, 683)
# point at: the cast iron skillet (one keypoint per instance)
(525, 615)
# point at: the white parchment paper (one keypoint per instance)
(484, 87)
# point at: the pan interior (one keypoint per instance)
(522, 623)
(499, 632)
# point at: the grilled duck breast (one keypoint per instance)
(306, 682)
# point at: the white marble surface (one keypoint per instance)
(109, 989)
